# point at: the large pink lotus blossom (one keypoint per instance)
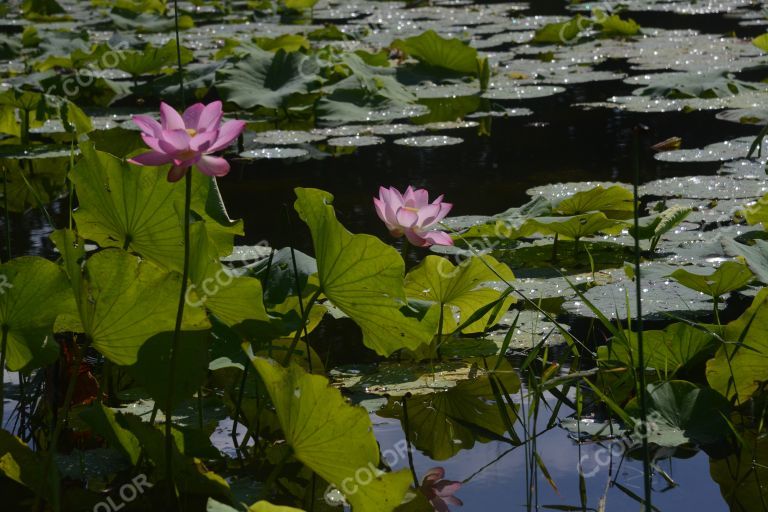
(439, 492)
(411, 214)
(187, 139)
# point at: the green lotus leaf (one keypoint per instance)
(613, 25)
(761, 42)
(259, 506)
(152, 59)
(758, 212)
(33, 293)
(147, 22)
(298, 5)
(103, 422)
(433, 50)
(565, 32)
(728, 277)
(235, 300)
(740, 370)
(330, 437)
(443, 423)
(265, 79)
(153, 361)
(615, 202)
(677, 347)
(743, 474)
(24, 466)
(716, 84)
(287, 42)
(190, 474)
(573, 227)
(363, 277)
(43, 10)
(123, 205)
(437, 280)
(755, 256)
(34, 181)
(123, 301)
(680, 412)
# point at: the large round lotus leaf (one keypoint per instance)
(33, 293)
(122, 301)
(738, 370)
(445, 422)
(363, 277)
(329, 436)
(462, 287)
(680, 412)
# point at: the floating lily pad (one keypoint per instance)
(275, 153)
(429, 141)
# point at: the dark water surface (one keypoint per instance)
(486, 175)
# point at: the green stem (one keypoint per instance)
(639, 311)
(406, 430)
(178, 52)
(74, 370)
(7, 215)
(3, 352)
(440, 331)
(238, 407)
(172, 501)
(25, 127)
(404, 250)
(304, 319)
(272, 478)
(200, 418)
(716, 300)
(175, 342)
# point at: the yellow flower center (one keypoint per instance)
(411, 209)
(192, 132)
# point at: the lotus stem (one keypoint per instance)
(639, 311)
(406, 430)
(3, 352)
(175, 343)
(304, 319)
(7, 216)
(172, 501)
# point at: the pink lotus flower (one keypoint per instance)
(187, 139)
(440, 492)
(411, 214)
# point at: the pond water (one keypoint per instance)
(488, 163)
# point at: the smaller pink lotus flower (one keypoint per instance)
(187, 139)
(411, 214)
(439, 492)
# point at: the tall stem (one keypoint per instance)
(407, 431)
(639, 310)
(8, 253)
(304, 319)
(3, 352)
(172, 501)
(175, 343)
